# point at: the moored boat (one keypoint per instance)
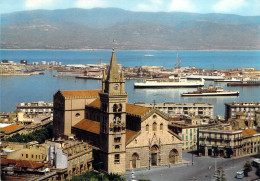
(169, 82)
(228, 80)
(211, 91)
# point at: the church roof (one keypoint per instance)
(137, 110)
(94, 127)
(95, 103)
(130, 108)
(88, 125)
(80, 93)
(249, 132)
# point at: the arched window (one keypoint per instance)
(114, 108)
(147, 127)
(161, 126)
(154, 126)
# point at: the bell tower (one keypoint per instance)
(113, 100)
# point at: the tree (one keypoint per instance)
(220, 175)
(216, 151)
(229, 152)
(247, 168)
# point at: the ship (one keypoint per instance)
(205, 77)
(211, 91)
(246, 82)
(169, 82)
(229, 80)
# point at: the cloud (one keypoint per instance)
(182, 5)
(228, 5)
(90, 3)
(37, 3)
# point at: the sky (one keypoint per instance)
(239, 7)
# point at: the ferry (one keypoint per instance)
(205, 77)
(229, 80)
(211, 91)
(169, 82)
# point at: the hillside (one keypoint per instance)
(97, 28)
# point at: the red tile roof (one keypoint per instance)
(9, 128)
(21, 163)
(95, 103)
(80, 93)
(249, 132)
(137, 110)
(130, 134)
(130, 108)
(88, 125)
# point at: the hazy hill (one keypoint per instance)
(96, 28)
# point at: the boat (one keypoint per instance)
(211, 91)
(228, 80)
(169, 82)
(246, 82)
(205, 77)
(149, 55)
(89, 77)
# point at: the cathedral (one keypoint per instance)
(124, 136)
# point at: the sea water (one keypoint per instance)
(16, 89)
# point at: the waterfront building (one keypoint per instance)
(249, 108)
(190, 109)
(36, 108)
(124, 136)
(224, 141)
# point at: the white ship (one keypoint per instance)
(229, 80)
(211, 91)
(170, 82)
(206, 77)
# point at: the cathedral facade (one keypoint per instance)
(124, 136)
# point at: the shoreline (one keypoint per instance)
(209, 50)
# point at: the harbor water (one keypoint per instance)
(16, 89)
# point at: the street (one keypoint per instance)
(203, 169)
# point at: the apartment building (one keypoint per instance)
(190, 109)
(248, 108)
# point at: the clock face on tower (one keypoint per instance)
(116, 87)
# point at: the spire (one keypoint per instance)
(113, 73)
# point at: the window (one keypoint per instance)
(190, 137)
(194, 137)
(22, 155)
(26, 155)
(77, 115)
(154, 126)
(147, 127)
(117, 139)
(117, 158)
(182, 138)
(117, 147)
(186, 137)
(186, 131)
(32, 155)
(161, 126)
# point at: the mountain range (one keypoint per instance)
(104, 28)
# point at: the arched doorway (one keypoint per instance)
(154, 155)
(173, 156)
(135, 157)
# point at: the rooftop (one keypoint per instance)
(9, 128)
(88, 125)
(137, 110)
(80, 93)
(21, 163)
(249, 132)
